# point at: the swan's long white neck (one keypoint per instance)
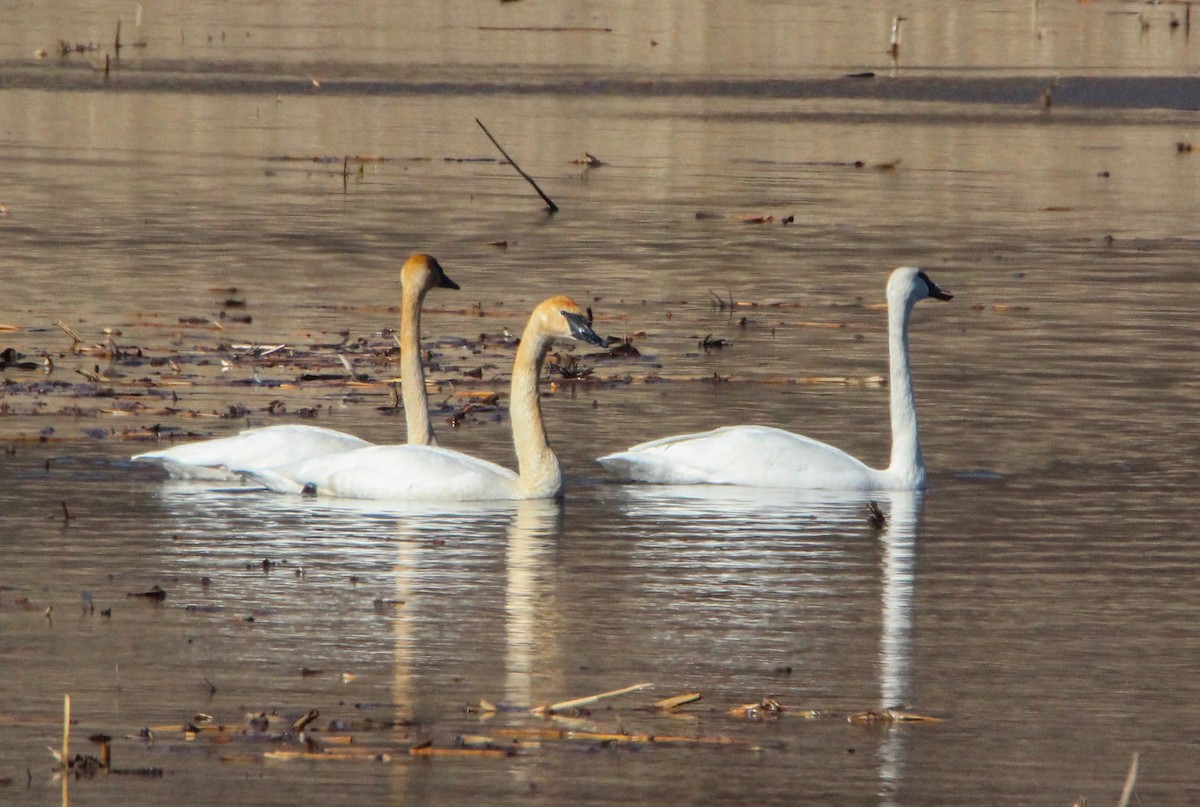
(907, 462)
(412, 370)
(540, 476)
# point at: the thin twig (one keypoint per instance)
(677, 700)
(563, 706)
(303, 720)
(67, 330)
(1130, 782)
(66, 730)
(550, 206)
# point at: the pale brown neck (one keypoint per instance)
(540, 475)
(412, 370)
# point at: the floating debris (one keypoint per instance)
(719, 302)
(767, 707)
(677, 701)
(589, 161)
(894, 48)
(623, 348)
(875, 516)
(890, 716)
(588, 700)
(154, 593)
(11, 359)
(553, 29)
(568, 366)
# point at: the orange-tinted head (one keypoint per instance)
(423, 272)
(562, 317)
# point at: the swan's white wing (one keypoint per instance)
(185, 470)
(265, 447)
(397, 473)
(759, 456)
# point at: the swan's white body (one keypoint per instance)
(396, 473)
(408, 472)
(270, 446)
(761, 456)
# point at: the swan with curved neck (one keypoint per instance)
(408, 472)
(761, 456)
(284, 444)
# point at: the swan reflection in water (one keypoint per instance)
(746, 529)
(522, 533)
(455, 570)
(475, 584)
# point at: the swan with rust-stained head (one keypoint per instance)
(761, 456)
(440, 474)
(269, 446)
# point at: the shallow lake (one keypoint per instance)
(253, 175)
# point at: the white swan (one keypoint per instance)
(408, 472)
(269, 446)
(761, 456)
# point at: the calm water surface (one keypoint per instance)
(1041, 597)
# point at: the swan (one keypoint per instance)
(761, 456)
(288, 443)
(410, 472)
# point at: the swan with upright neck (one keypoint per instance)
(284, 444)
(761, 456)
(408, 472)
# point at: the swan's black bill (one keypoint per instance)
(935, 291)
(581, 330)
(444, 281)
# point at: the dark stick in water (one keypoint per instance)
(550, 206)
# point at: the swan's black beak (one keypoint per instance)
(936, 291)
(444, 281)
(581, 330)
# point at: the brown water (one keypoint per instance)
(1041, 597)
